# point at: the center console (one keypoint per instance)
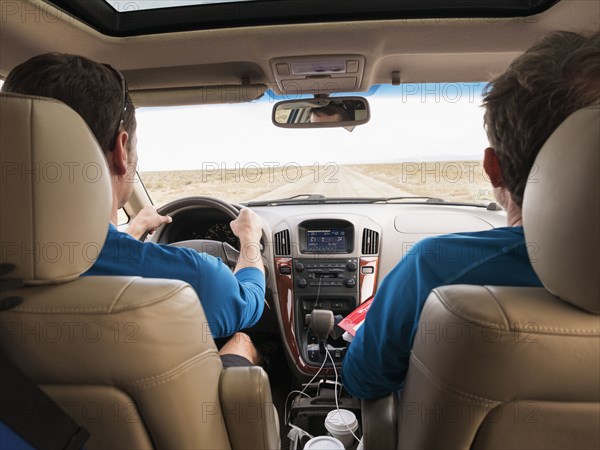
(322, 264)
(309, 412)
(330, 284)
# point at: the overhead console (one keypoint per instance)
(318, 74)
(323, 264)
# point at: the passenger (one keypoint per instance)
(231, 301)
(523, 106)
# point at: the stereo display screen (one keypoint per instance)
(326, 241)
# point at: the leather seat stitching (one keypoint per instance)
(166, 296)
(264, 427)
(118, 296)
(498, 304)
(467, 317)
(100, 309)
(155, 300)
(33, 230)
(482, 401)
(551, 330)
(563, 331)
(154, 380)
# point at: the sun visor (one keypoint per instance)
(203, 95)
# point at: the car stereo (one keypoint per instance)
(326, 236)
(331, 240)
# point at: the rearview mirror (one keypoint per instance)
(325, 112)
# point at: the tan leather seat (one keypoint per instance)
(130, 359)
(515, 368)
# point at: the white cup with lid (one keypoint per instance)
(324, 443)
(337, 423)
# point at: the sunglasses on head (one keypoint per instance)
(124, 91)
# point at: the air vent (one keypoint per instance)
(282, 243)
(370, 242)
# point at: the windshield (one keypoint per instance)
(424, 140)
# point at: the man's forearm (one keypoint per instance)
(250, 256)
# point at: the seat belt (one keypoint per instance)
(26, 409)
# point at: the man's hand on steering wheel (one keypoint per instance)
(247, 227)
(146, 221)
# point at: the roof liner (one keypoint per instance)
(104, 18)
(423, 51)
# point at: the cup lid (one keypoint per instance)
(339, 420)
(324, 443)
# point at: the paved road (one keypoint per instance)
(333, 181)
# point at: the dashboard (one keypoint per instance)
(328, 256)
(218, 230)
(199, 223)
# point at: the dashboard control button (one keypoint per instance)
(299, 267)
(351, 266)
(367, 270)
(301, 283)
(285, 270)
(350, 282)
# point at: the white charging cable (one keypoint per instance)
(285, 414)
(302, 392)
(337, 405)
(318, 293)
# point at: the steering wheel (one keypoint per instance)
(223, 250)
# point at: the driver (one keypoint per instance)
(333, 112)
(231, 301)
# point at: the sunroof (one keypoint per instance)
(128, 6)
(139, 17)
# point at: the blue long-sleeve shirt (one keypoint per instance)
(377, 360)
(230, 302)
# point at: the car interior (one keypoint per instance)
(283, 107)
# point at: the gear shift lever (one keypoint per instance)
(321, 322)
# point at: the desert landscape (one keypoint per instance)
(453, 181)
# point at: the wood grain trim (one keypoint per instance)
(368, 282)
(285, 291)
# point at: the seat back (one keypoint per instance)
(519, 368)
(130, 359)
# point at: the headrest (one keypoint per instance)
(561, 211)
(55, 196)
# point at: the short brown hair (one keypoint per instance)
(93, 90)
(331, 110)
(540, 89)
